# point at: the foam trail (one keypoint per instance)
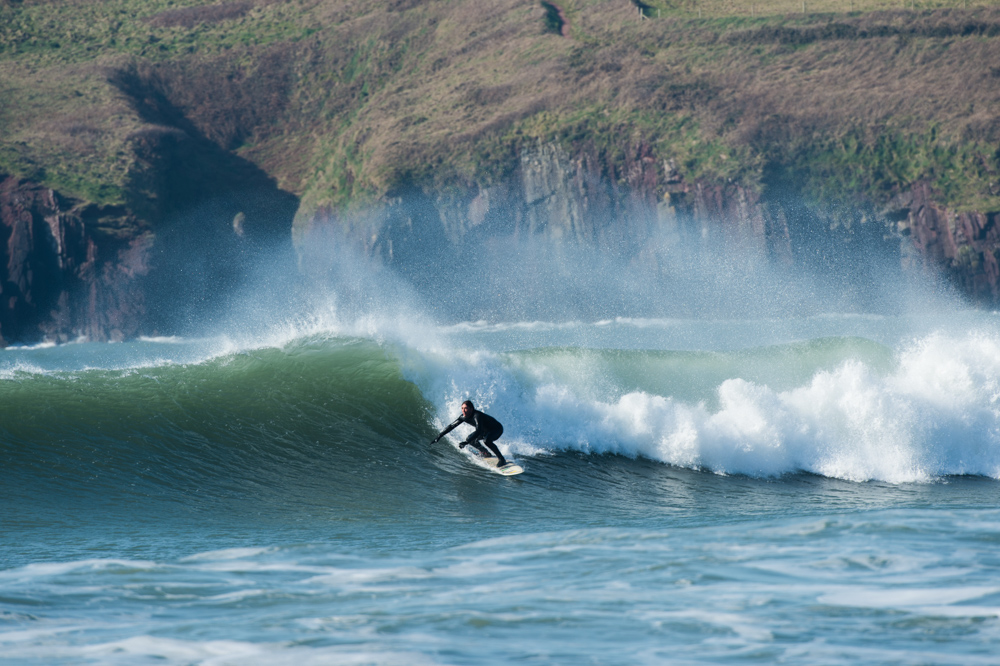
(935, 413)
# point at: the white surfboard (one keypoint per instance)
(510, 469)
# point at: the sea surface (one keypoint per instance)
(822, 489)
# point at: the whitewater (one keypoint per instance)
(721, 485)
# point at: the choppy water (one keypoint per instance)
(811, 490)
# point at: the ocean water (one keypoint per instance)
(812, 489)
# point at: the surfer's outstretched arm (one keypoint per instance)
(457, 422)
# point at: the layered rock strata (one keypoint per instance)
(635, 209)
(63, 277)
(965, 245)
(72, 269)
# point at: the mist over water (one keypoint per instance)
(727, 458)
(673, 275)
(704, 355)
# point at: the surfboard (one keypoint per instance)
(510, 469)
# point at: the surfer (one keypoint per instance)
(487, 429)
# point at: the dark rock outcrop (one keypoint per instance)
(197, 221)
(73, 269)
(965, 245)
(61, 278)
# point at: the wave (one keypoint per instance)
(843, 408)
(328, 409)
(279, 424)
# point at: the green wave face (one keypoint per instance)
(277, 422)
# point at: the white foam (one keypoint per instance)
(936, 413)
(226, 554)
(40, 345)
(49, 569)
(498, 327)
(142, 648)
(162, 339)
(924, 598)
(20, 368)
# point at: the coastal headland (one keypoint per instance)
(153, 153)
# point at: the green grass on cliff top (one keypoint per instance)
(343, 101)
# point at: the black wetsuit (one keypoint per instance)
(487, 429)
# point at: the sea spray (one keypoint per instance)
(271, 468)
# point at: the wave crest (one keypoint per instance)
(933, 412)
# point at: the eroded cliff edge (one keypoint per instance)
(643, 208)
(63, 278)
(146, 184)
(70, 271)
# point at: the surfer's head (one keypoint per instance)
(468, 408)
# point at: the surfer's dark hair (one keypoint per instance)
(469, 403)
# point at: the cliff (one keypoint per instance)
(156, 152)
(639, 210)
(63, 278)
(66, 279)
(965, 245)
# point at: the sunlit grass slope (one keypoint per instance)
(345, 101)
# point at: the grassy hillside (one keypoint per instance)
(344, 101)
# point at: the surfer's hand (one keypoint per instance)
(463, 445)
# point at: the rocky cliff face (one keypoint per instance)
(965, 245)
(636, 209)
(197, 221)
(62, 277)
(72, 269)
